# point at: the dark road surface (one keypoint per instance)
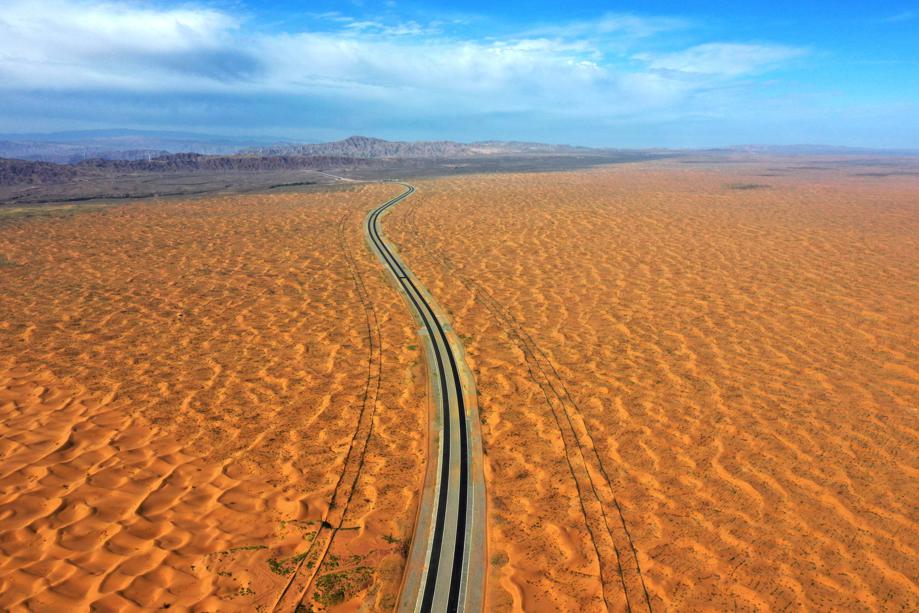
(445, 567)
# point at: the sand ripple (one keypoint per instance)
(700, 391)
(195, 404)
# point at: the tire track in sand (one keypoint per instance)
(298, 586)
(584, 462)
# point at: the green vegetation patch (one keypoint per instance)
(499, 559)
(286, 566)
(232, 550)
(335, 588)
(246, 548)
(296, 184)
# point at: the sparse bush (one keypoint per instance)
(746, 186)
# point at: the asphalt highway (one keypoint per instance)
(445, 567)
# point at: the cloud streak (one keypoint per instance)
(623, 26)
(722, 59)
(901, 17)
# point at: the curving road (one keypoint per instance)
(446, 563)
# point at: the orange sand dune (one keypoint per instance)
(698, 384)
(187, 389)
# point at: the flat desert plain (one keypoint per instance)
(214, 404)
(698, 382)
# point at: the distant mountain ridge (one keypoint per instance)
(817, 150)
(66, 153)
(378, 148)
(138, 145)
(366, 147)
(76, 147)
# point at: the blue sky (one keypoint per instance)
(629, 74)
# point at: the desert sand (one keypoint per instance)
(188, 389)
(698, 382)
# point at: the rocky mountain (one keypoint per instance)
(370, 148)
(23, 172)
(377, 148)
(147, 146)
(196, 162)
(76, 147)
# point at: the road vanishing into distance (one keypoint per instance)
(446, 563)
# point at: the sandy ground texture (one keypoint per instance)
(698, 382)
(194, 397)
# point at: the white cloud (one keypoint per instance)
(59, 26)
(723, 59)
(493, 77)
(73, 44)
(80, 45)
